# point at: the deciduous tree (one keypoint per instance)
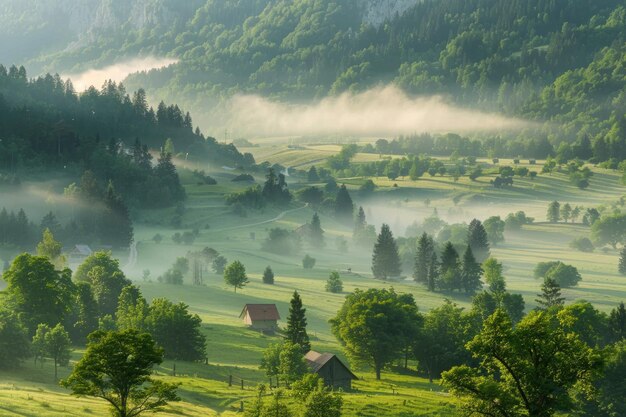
(375, 326)
(235, 275)
(37, 292)
(117, 367)
(527, 370)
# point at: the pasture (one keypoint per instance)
(235, 350)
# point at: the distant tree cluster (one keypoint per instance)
(274, 191)
(30, 111)
(47, 306)
(448, 271)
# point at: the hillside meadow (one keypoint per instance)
(233, 350)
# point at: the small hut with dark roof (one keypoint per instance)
(260, 316)
(328, 366)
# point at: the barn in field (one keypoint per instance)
(260, 316)
(328, 366)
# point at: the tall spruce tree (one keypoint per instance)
(433, 272)
(386, 259)
(450, 273)
(359, 224)
(478, 240)
(116, 226)
(312, 175)
(449, 257)
(296, 324)
(550, 295)
(470, 272)
(316, 234)
(423, 258)
(622, 261)
(344, 207)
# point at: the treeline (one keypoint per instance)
(550, 61)
(44, 123)
(493, 360)
(98, 216)
(97, 296)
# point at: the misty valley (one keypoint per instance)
(276, 208)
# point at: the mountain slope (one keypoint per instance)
(495, 54)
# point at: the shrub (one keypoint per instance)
(308, 262)
(582, 244)
(334, 283)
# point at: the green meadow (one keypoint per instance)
(235, 351)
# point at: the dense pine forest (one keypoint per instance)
(546, 60)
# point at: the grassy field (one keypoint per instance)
(235, 350)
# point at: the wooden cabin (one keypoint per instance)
(332, 370)
(260, 316)
(78, 254)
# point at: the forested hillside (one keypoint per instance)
(549, 60)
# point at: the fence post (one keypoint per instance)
(241, 407)
(242, 384)
(230, 380)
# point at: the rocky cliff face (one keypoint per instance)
(375, 12)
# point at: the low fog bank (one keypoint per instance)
(381, 111)
(400, 214)
(116, 72)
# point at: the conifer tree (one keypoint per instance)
(359, 223)
(478, 240)
(165, 171)
(296, 324)
(423, 258)
(116, 226)
(268, 276)
(316, 234)
(449, 257)
(433, 272)
(385, 259)
(312, 175)
(622, 261)
(550, 295)
(449, 273)
(617, 323)
(470, 272)
(344, 207)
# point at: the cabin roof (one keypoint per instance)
(82, 250)
(317, 361)
(261, 312)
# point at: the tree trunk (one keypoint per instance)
(406, 358)
(377, 372)
(55, 370)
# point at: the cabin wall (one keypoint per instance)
(262, 324)
(335, 375)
